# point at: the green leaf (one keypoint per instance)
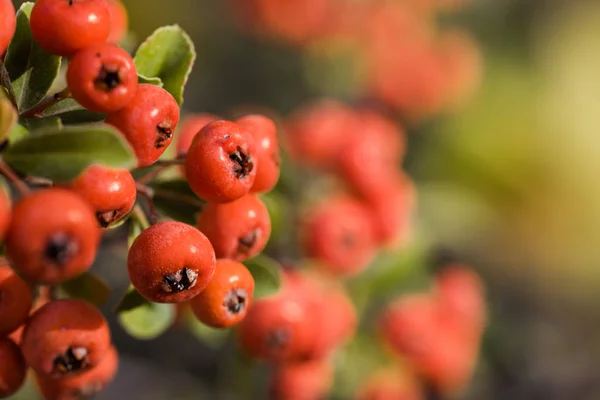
(266, 274)
(167, 54)
(30, 68)
(87, 287)
(148, 321)
(132, 300)
(8, 118)
(18, 131)
(212, 337)
(41, 124)
(174, 199)
(62, 154)
(71, 112)
(135, 228)
(152, 81)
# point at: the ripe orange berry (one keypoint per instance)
(189, 128)
(53, 236)
(264, 132)
(221, 162)
(82, 386)
(278, 328)
(170, 262)
(15, 299)
(238, 230)
(119, 21)
(307, 380)
(339, 233)
(41, 301)
(390, 384)
(110, 191)
(12, 367)
(8, 22)
(65, 337)
(226, 299)
(5, 213)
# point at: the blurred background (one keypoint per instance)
(507, 183)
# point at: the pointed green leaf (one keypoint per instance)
(148, 321)
(87, 287)
(174, 199)
(152, 81)
(30, 68)
(41, 124)
(267, 275)
(17, 132)
(132, 300)
(167, 54)
(62, 154)
(71, 112)
(8, 118)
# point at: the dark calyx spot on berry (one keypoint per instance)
(179, 281)
(75, 359)
(235, 301)
(348, 239)
(243, 163)
(106, 218)
(60, 248)
(247, 242)
(278, 338)
(108, 78)
(164, 132)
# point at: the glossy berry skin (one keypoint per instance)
(221, 162)
(65, 338)
(307, 380)
(238, 230)
(280, 328)
(102, 78)
(189, 128)
(84, 385)
(5, 213)
(110, 191)
(226, 299)
(53, 236)
(15, 300)
(264, 132)
(12, 367)
(148, 122)
(119, 21)
(170, 262)
(339, 234)
(8, 22)
(62, 27)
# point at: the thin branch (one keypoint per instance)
(140, 217)
(180, 160)
(38, 181)
(36, 111)
(161, 166)
(5, 81)
(12, 177)
(147, 193)
(182, 198)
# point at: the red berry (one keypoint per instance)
(264, 132)
(8, 22)
(15, 299)
(119, 21)
(82, 386)
(316, 133)
(148, 122)
(110, 191)
(102, 78)
(65, 337)
(63, 27)
(307, 380)
(238, 230)
(226, 299)
(170, 262)
(41, 301)
(189, 128)
(53, 236)
(221, 162)
(339, 234)
(5, 212)
(278, 328)
(12, 368)
(390, 384)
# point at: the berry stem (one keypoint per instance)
(148, 193)
(5, 81)
(180, 160)
(12, 177)
(140, 217)
(182, 198)
(161, 166)
(36, 111)
(38, 181)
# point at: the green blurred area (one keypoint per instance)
(510, 184)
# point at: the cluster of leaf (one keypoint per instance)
(47, 136)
